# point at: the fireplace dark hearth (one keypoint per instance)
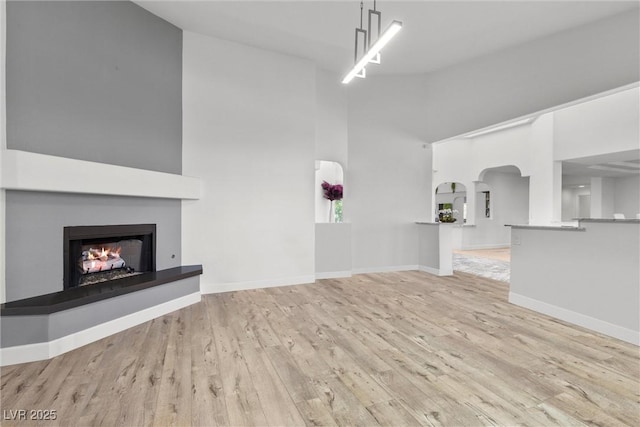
(96, 254)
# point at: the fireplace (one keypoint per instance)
(110, 284)
(101, 253)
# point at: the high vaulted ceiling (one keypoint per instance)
(435, 34)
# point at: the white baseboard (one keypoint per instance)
(387, 269)
(435, 271)
(333, 275)
(615, 331)
(24, 353)
(47, 350)
(216, 288)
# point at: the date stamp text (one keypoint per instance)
(29, 414)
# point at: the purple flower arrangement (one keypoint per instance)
(332, 192)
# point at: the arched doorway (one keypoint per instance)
(502, 198)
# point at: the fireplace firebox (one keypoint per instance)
(100, 253)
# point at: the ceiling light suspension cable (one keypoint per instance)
(364, 33)
(376, 59)
(371, 52)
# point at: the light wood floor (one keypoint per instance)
(500, 254)
(380, 349)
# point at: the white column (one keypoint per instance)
(3, 143)
(445, 249)
(427, 151)
(471, 203)
(602, 197)
(545, 183)
(556, 201)
(434, 204)
(596, 197)
(608, 197)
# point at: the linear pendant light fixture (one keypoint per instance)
(372, 53)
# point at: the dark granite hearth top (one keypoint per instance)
(75, 297)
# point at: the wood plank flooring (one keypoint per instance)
(378, 349)
(500, 254)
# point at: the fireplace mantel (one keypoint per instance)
(26, 171)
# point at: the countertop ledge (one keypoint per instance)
(610, 220)
(444, 223)
(546, 227)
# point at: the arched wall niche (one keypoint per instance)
(450, 202)
(332, 173)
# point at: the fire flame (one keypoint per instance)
(104, 258)
(103, 254)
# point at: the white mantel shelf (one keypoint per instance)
(26, 171)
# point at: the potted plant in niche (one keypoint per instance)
(446, 214)
(333, 193)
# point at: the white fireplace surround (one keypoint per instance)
(26, 171)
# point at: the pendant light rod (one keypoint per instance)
(358, 69)
(376, 58)
(364, 37)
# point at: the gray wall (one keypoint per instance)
(429, 246)
(541, 74)
(98, 81)
(389, 174)
(333, 248)
(35, 224)
(593, 273)
(627, 196)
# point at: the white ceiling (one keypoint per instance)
(614, 165)
(435, 34)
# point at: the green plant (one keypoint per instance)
(338, 211)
